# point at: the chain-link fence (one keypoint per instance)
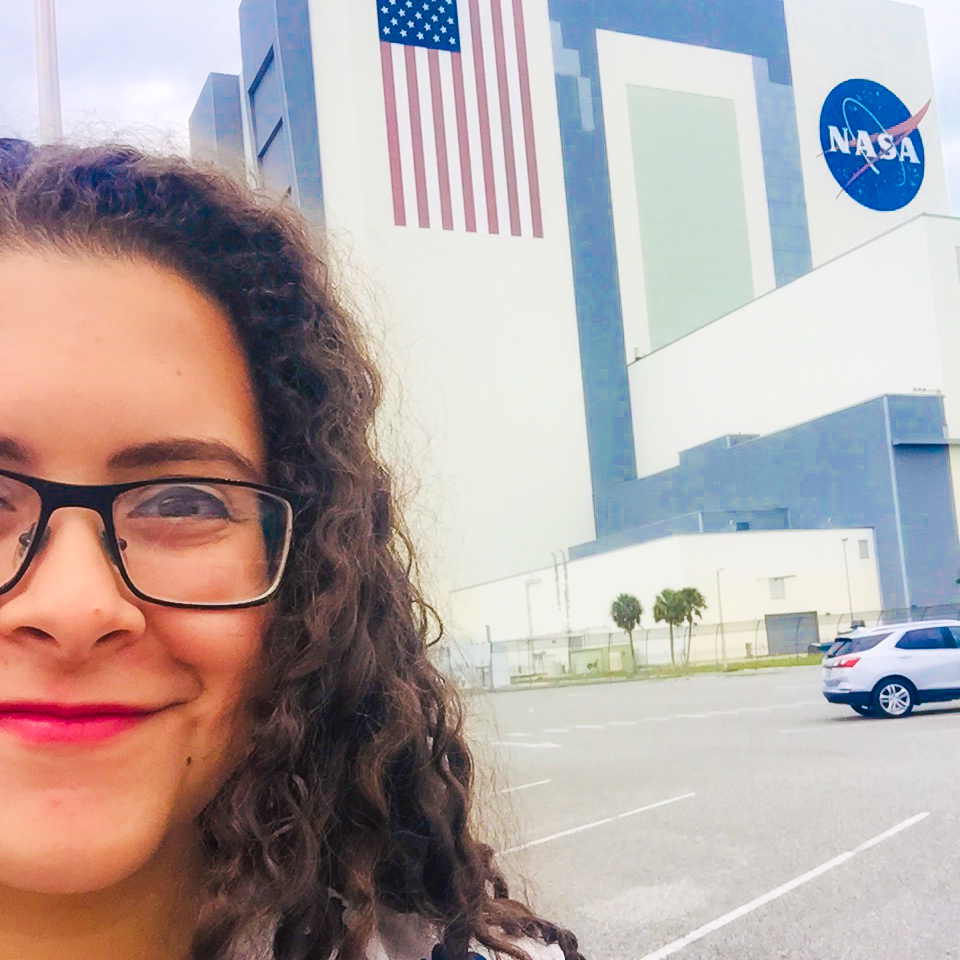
(609, 653)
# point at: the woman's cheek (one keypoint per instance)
(221, 649)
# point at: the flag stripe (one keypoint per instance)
(472, 102)
(393, 134)
(416, 131)
(485, 28)
(405, 135)
(440, 134)
(463, 136)
(533, 175)
(430, 164)
(453, 142)
(493, 223)
(516, 118)
(505, 118)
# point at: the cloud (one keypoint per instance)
(133, 69)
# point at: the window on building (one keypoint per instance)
(864, 549)
(778, 588)
(743, 524)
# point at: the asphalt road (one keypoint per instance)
(738, 817)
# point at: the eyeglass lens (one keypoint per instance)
(179, 541)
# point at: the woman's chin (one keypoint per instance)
(72, 867)
(91, 850)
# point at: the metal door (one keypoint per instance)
(790, 633)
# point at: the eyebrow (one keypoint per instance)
(157, 452)
(11, 450)
(153, 453)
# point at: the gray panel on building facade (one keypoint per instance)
(756, 28)
(276, 167)
(280, 97)
(266, 103)
(882, 464)
(216, 124)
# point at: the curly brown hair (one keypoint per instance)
(357, 784)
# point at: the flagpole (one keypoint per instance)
(48, 71)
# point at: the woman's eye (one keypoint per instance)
(183, 503)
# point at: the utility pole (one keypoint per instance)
(566, 592)
(846, 570)
(528, 583)
(723, 636)
(490, 651)
(48, 71)
(556, 578)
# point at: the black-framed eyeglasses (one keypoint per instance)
(196, 542)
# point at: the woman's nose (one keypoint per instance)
(72, 594)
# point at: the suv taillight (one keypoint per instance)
(847, 662)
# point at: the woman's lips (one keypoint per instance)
(61, 723)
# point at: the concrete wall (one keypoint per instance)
(809, 563)
(216, 124)
(481, 328)
(875, 39)
(651, 155)
(871, 322)
(279, 101)
(883, 463)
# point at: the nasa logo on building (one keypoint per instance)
(872, 144)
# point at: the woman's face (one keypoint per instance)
(103, 363)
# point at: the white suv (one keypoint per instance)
(886, 671)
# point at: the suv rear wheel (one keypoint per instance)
(893, 697)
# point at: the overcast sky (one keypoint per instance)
(135, 67)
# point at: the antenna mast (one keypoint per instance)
(48, 71)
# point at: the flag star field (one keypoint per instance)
(420, 23)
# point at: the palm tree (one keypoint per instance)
(670, 607)
(626, 612)
(693, 606)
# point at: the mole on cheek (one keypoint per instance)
(189, 761)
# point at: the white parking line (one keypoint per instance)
(714, 925)
(524, 786)
(706, 714)
(596, 823)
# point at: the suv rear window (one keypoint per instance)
(844, 645)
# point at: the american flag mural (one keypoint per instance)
(460, 129)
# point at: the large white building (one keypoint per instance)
(646, 271)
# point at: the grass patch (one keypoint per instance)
(735, 666)
(807, 660)
(663, 672)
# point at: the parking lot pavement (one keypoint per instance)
(737, 817)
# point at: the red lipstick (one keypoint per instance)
(70, 723)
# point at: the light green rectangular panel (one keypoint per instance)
(693, 217)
